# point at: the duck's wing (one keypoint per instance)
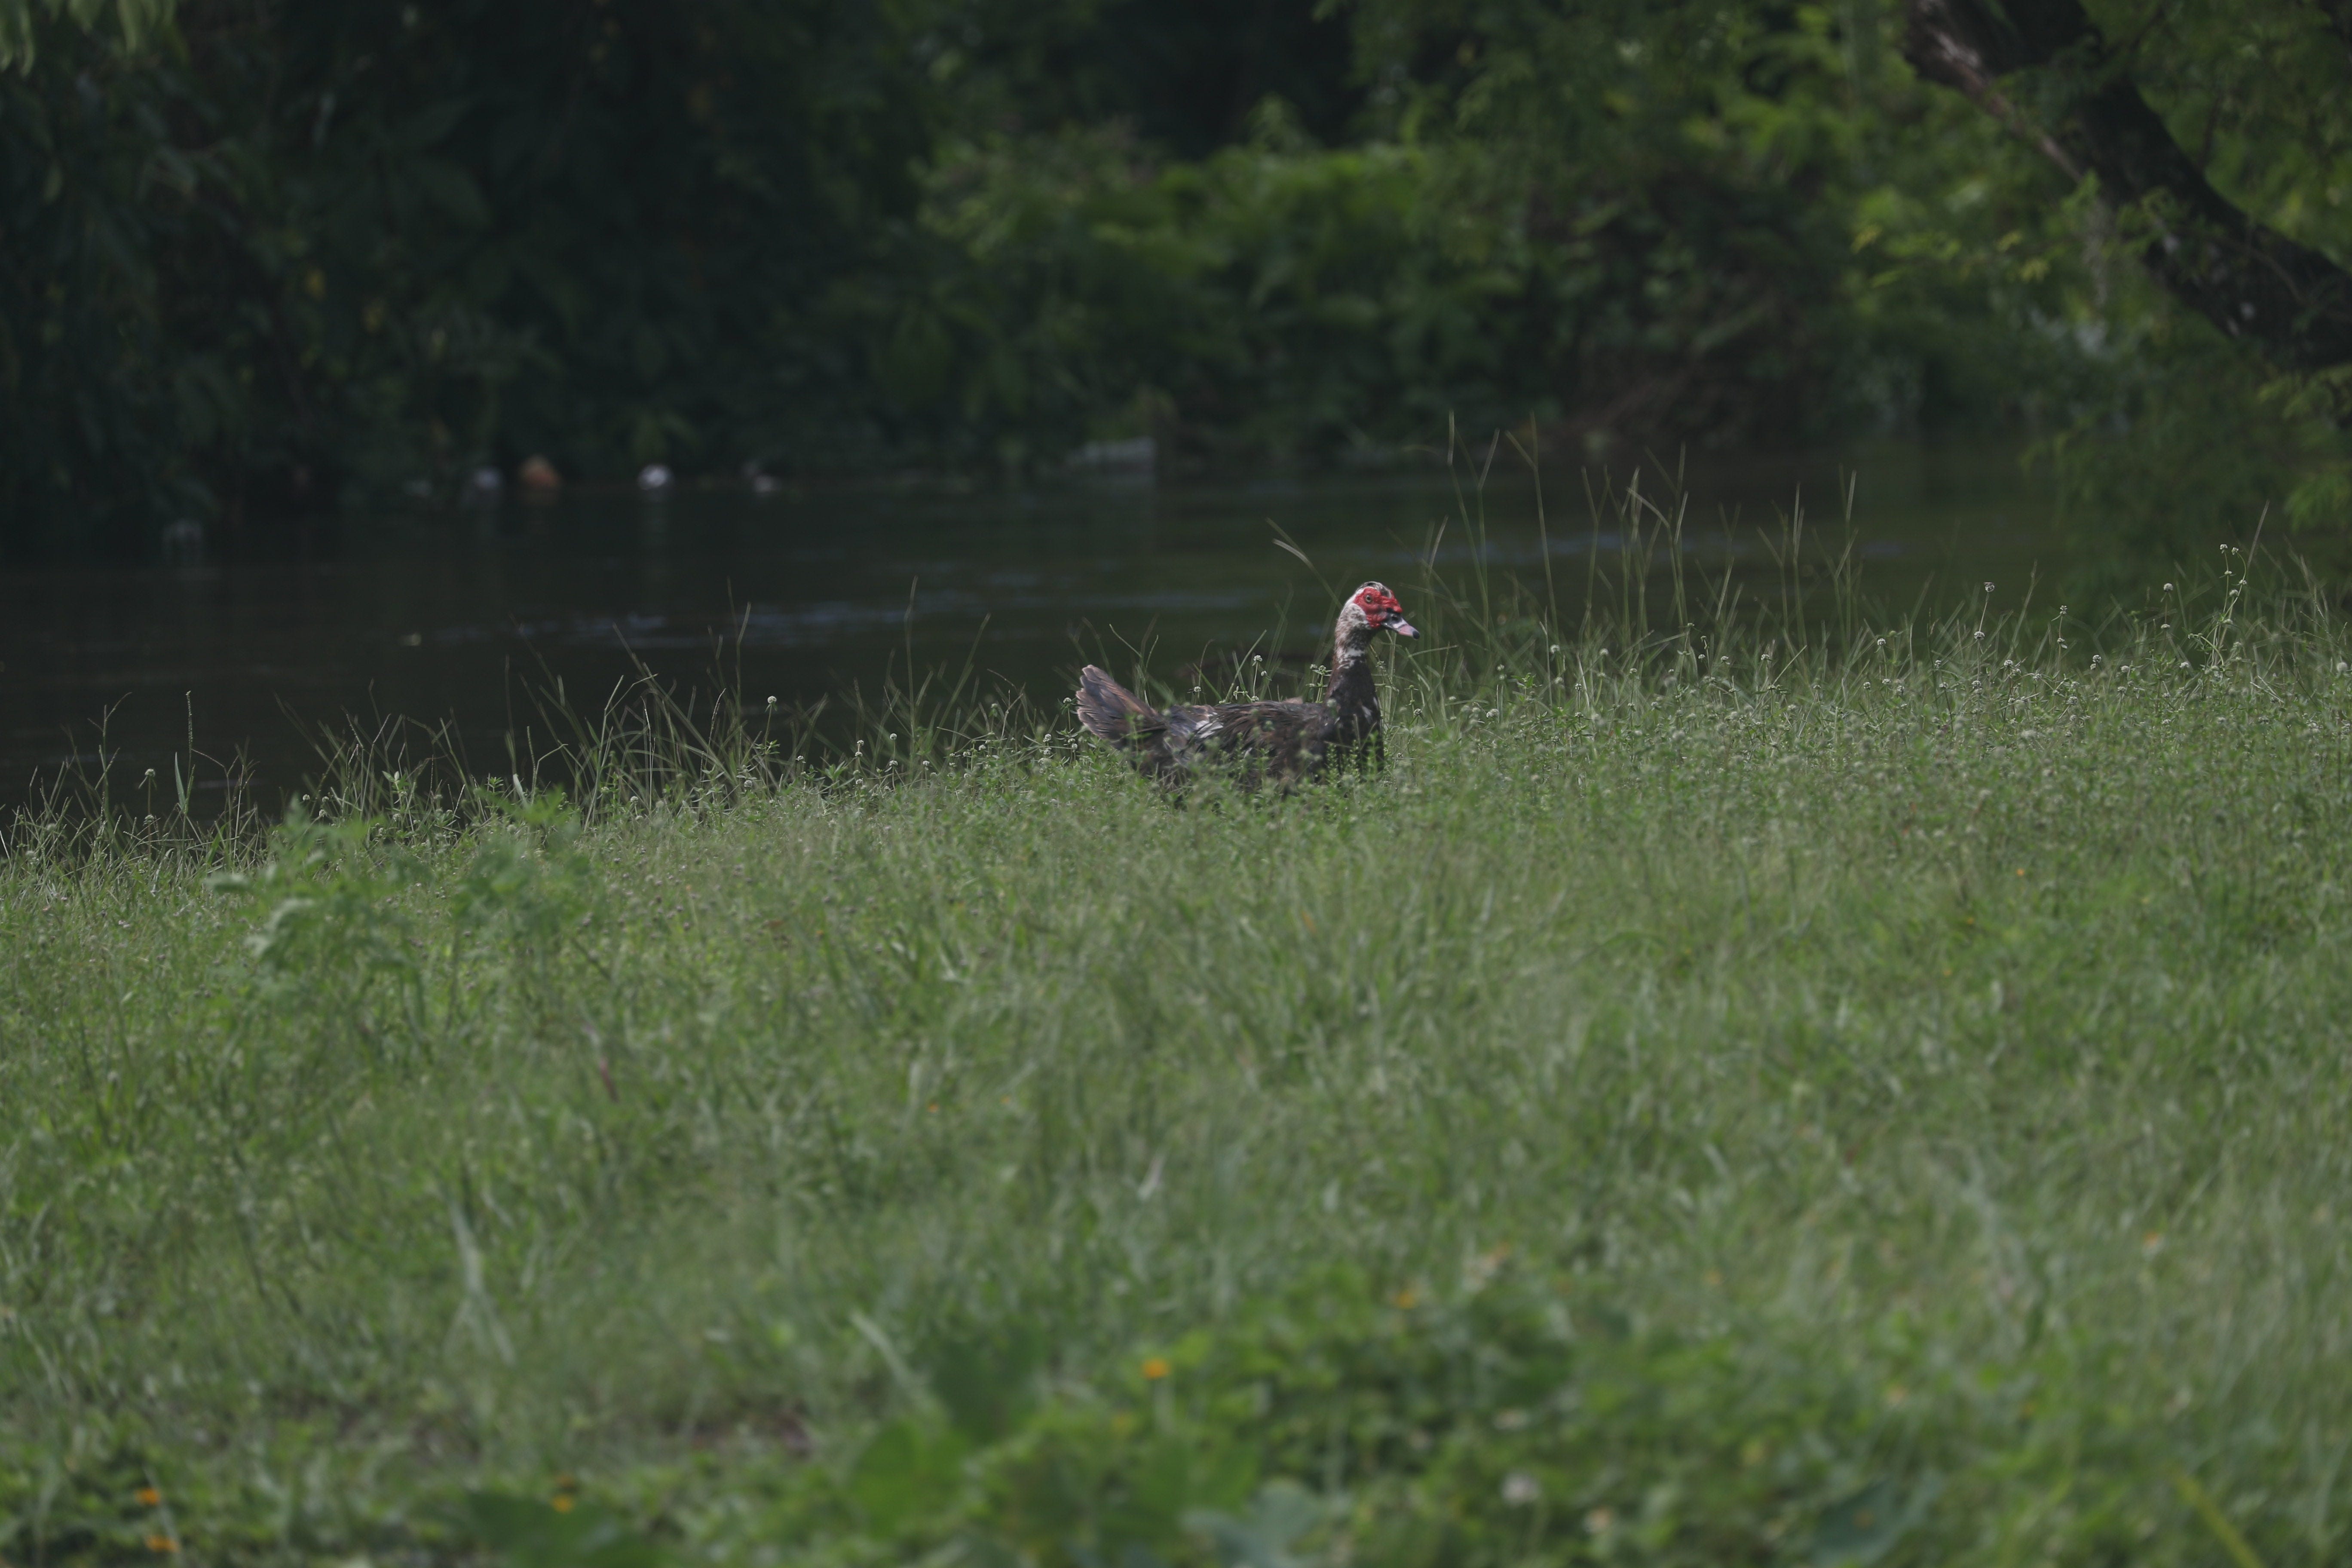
(1281, 740)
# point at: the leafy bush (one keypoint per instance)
(282, 260)
(1514, 1419)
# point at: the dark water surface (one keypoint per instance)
(453, 617)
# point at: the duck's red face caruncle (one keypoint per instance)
(1381, 610)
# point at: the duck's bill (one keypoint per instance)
(1400, 625)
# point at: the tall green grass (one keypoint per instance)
(1811, 1061)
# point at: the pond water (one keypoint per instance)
(457, 616)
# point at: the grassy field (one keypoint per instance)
(1729, 1102)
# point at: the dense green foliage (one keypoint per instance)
(267, 258)
(315, 247)
(1880, 1101)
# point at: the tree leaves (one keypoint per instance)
(127, 24)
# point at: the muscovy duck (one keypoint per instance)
(1256, 742)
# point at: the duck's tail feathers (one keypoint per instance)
(1113, 712)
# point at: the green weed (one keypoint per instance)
(1741, 1087)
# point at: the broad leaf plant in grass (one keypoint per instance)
(1744, 1089)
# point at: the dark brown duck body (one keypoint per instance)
(1258, 743)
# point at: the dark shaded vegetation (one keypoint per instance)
(264, 260)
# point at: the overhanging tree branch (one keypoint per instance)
(2285, 298)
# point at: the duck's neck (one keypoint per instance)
(1350, 695)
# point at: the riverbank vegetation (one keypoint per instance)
(273, 260)
(1736, 1088)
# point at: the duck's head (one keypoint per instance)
(1372, 608)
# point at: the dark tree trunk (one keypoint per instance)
(2285, 298)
